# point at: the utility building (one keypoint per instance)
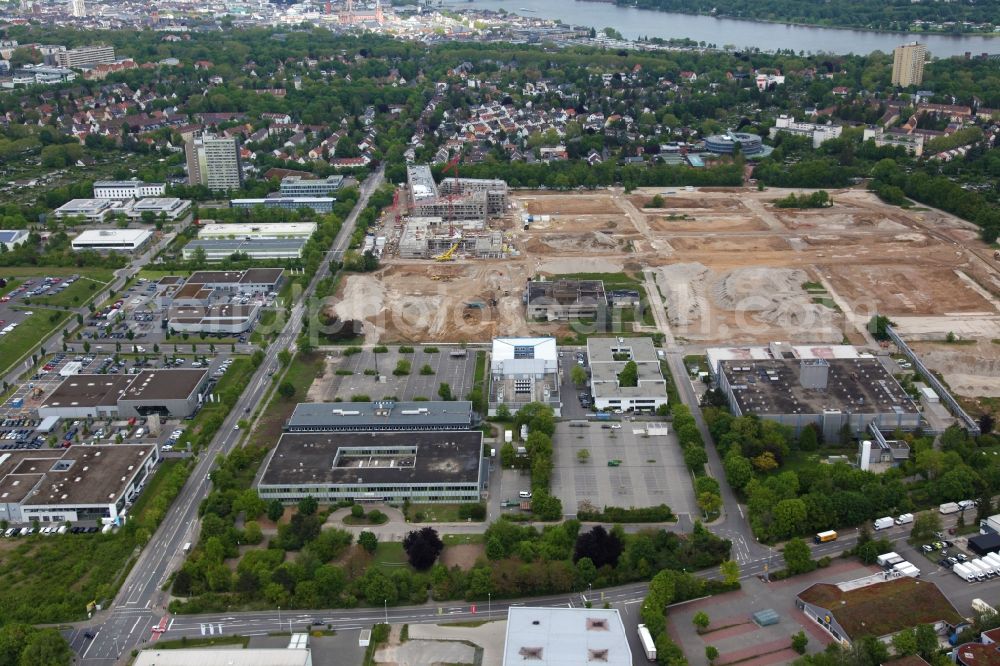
(380, 416)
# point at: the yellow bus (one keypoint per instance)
(823, 537)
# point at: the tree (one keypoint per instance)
(444, 392)
(905, 643)
(46, 646)
(730, 571)
(711, 653)
(286, 389)
(925, 525)
(799, 642)
(709, 502)
(701, 621)
(629, 376)
(308, 505)
(423, 547)
(808, 441)
(927, 642)
(284, 357)
(578, 375)
(601, 546)
(275, 510)
(798, 557)
(252, 533)
(877, 327)
(583, 455)
(368, 541)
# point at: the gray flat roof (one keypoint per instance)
(602, 350)
(88, 391)
(856, 385)
(385, 413)
(567, 292)
(198, 313)
(224, 657)
(248, 245)
(565, 637)
(74, 476)
(375, 457)
(164, 384)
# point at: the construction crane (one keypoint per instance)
(448, 254)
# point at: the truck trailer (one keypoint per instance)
(648, 646)
(904, 519)
(948, 508)
(884, 523)
(888, 559)
(964, 572)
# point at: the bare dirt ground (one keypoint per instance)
(730, 267)
(970, 370)
(463, 556)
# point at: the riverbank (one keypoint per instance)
(799, 24)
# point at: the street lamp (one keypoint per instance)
(279, 618)
(489, 607)
(385, 603)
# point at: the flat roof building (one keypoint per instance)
(220, 318)
(816, 132)
(297, 186)
(127, 189)
(171, 208)
(205, 286)
(92, 210)
(11, 238)
(78, 483)
(316, 204)
(256, 230)
(553, 300)
(442, 466)
(126, 240)
(255, 248)
(380, 416)
(830, 393)
(175, 393)
(560, 636)
(225, 657)
(750, 145)
(608, 358)
(524, 370)
(86, 56)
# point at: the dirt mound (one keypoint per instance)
(683, 289)
(774, 295)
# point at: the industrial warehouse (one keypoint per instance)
(206, 286)
(550, 300)
(93, 483)
(524, 370)
(254, 248)
(175, 393)
(380, 416)
(218, 318)
(444, 466)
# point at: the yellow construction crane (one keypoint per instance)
(447, 255)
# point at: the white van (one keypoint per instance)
(187, 547)
(139, 433)
(524, 494)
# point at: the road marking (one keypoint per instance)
(92, 641)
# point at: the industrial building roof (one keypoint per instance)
(605, 368)
(567, 292)
(74, 476)
(86, 206)
(224, 657)
(247, 245)
(157, 204)
(86, 390)
(262, 230)
(336, 415)
(859, 386)
(164, 384)
(352, 458)
(778, 350)
(105, 236)
(193, 314)
(554, 636)
(11, 235)
(524, 356)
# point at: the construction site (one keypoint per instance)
(721, 265)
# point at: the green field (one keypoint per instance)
(389, 556)
(28, 335)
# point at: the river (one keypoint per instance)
(634, 23)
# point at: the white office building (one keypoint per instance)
(123, 240)
(561, 636)
(608, 358)
(92, 210)
(127, 189)
(524, 370)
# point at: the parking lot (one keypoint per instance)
(645, 469)
(457, 372)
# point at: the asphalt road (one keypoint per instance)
(139, 605)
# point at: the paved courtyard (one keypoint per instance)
(458, 373)
(738, 638)
(651, 471)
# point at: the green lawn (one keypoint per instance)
(75, 295)
(28, 334)
(154, 485)
(463, 539)
(267, 318)
(202, 641)
(155, 275)
(11, 285)
(301, 374)
(389, 556)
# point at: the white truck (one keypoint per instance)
(993, 559)
(648, 646)
(983, 568)
(909, 570)
(904, 519)
(884, 523)
(964, 572)
(948, 508)
(888, 559)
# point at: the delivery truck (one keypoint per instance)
(993, 559)
(888, 559)
(964, 572)
(904, 519)
(648, 646)
(948, 508)
(884, 523)
(984, 568)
